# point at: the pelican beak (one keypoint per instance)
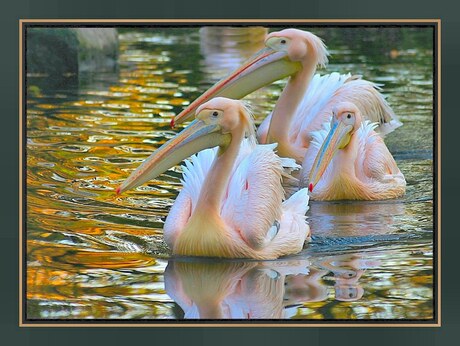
(263, 68)
(194, 138)
(337, 138)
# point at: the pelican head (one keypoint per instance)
(286, 53)
(346, 119)
(300, 46)
(217, 122)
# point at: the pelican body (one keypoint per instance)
(231, 205)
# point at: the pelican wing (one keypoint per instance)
(254, 201)
(376, 160)
(368, 98)
(324, 92)
(315, 107)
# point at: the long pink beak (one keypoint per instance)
(194, 138)
(337, 138)
(263, 68)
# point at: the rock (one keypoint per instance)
(66, 52)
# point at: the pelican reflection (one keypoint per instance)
(346, 271)
(233, 290)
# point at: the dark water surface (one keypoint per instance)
(94, 255)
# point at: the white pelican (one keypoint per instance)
(347, 159)
(307, 100)
(231, 204)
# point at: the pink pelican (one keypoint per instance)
(232, 201)
(307, 100)
(347, 159)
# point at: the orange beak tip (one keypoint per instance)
(118, 190)
(310, 187)
(173, 124)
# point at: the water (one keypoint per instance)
(94, 255)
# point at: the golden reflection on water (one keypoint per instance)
(94, 255)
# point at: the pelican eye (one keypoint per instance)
(348, 116)
(215, 114)
(283, 41)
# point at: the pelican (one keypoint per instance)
(231, 204)
(306, 101)
(347, 159)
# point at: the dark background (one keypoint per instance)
(12, 11)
